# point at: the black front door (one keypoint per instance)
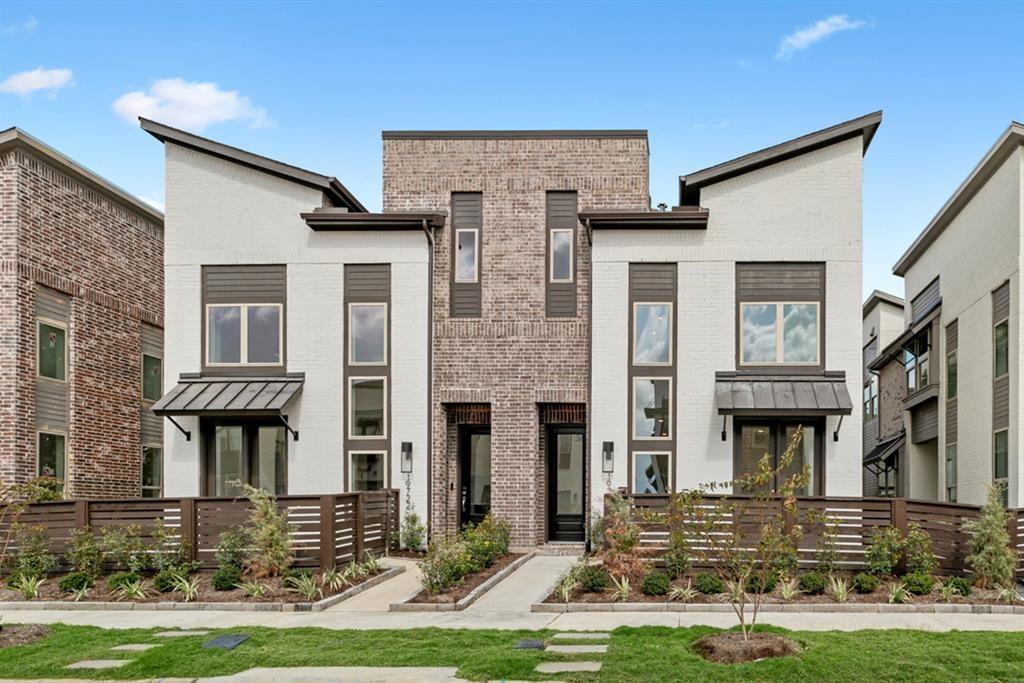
(474, 473)
(566, 482)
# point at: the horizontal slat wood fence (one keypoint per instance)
(851, 519)
(327, 530)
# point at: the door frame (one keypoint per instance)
(777, 426)
(250, 430)
(465, 432)
(551, 439)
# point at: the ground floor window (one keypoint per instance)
(250, 451)
(1001, 453)
(152, 472)
(951, 473)
(887, 477)
(756, 439)
(52, 457)
(651, 472)
(367, 470)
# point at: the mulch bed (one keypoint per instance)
(469, 583)
(277, 591)
(733, 648)
(13, 635)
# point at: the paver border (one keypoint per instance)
(834, 607)
(318, 606)
(465, 602)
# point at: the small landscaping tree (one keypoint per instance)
(13, 500)
(991, 558)
(621, 554)
(269, 533)
(883, 551)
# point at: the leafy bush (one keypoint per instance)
(300, 572)
(919, 583)
(655, 583)
(269, 532)
(75, 581)
(34, 557)
(125, 549)
(593, 579)
(958, 585)
(86, 554)
(29, 586)
(413, 533)
(677, 558)
(166, 580)
(865, 583)
(828, 549)
(883, 551)
(232, 548)
(621, 538)
(917, 549)
(121, 579)
(169, 552)
(991, 558)
(756, 583)
(226, 578)
(446, 564)
(708, 583)
(813, 583)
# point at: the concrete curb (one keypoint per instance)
(318, 606)
(841, 608)
(465, 602)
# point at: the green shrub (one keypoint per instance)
(122, 579)
(232, 548)
(865, 583)
(34, 557)
(959, 585)
(677, 558)
(446, 564)
(166, 580)
(86, 554)
(655, 583)
(125, 549)
(487, 541)
(269, 532)
(883, 551)
(813, 583)
(592, 579)
(761, 584)
(413, 533)
(828, 549)
(297, 573)
(169, 552)
(75, 581)
(917, 549)
(226, 578)
(991, 558)
(919, 583)
(708, 583)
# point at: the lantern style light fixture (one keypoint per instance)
(608, 457)
(407, 457)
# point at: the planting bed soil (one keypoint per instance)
(733, 648)
(22, 634)
(470, 582)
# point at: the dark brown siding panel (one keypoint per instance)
(467, 213)
(924, 422)
(652, 282)
(244, 284)
(951, 421)
(780, 281)
(925, 300)
(1001, 303)
(870, 434)
(952, 336)
(560, 297)
(367, 282)
(51, 395)
(52, 304)
(1001, 403)
(51, 406)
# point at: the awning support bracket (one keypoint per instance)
(294, 432)
(724, 418)
(835, 434)
(188, 434)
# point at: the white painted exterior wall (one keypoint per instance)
(808, 208)
(222, 213)
(976, 253)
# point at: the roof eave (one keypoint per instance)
(327, 220)
(641, 220)
(880, 297)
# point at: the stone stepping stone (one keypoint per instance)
(578, 649)
(98, 664)
(581, 636)
(134, 647)
(529, 644)
(226, 642)
(180, 634)
(567, 667)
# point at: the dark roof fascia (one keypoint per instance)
(511, 134)
(863, 126)
(334, 220)
(880, 297)
(927, 393)
(894, 349)
(1010, 140)
(15, 137)
(738, 375)
(327, 184)
(690, 219)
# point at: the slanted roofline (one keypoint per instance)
(15, 137)
(1011, 139)
(510, 134)
(327, 184)
(880, 297)
(863, 126)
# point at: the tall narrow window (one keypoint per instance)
(367, 401)
(52, 457)
(652, 408)
(779, 333)
(52, 358)
(561, 255)
(1002, 349)
(650, 472)
(152, 471)
(368, 470)
(243, 334)
(951, 379)
(1000, 464)
(871, 398)
(652, 334)
(368, 334)
(951, 473)
(152, 377)
(467, 261)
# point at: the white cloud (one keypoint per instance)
(27, 82)
(809, 35)
(189, 104)
(27, 26)
(155, 203)
(710, 126)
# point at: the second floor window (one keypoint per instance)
(871, 398)
(1002, 349)
(243, 334)
(368, 334)
(152, 377)
(561, 256)
(951, 377)
(467, 261)
(652, 334)
(779, 334)
(916, 355)
(52, 359)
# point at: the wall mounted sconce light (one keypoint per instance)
(608, 457)
(407, 457)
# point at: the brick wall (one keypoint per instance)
(512, 357)
(57, 232)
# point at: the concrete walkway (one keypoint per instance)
(380, 597)
(529, 584)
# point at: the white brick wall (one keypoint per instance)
(222, 213)
(804, 209)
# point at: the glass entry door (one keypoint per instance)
(757, 438)
(474, 473)
(255, 452)
(566, 489)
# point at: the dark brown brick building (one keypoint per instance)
(81, 318)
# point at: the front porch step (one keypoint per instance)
(554, 548)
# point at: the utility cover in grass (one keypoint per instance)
(226, 642)
(529, 644)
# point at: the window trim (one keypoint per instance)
(142, 379)
(995, 326)
(351, 327)
(476, 257)
(632, 470)
(671, 335)
(142, 462)
(551, 258)
(351, 469)
(43, 320)
(351, 405)
(243, 336)
(671, 409)
(53, 432)
(780, 335)
(956, 387)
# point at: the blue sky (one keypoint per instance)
(313, 84)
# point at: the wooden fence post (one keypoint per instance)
(81, 514)
(327, 558)
(358, 532)
(899, 521)
(387, 522)
(189, 537)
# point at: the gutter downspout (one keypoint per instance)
(427, 231)
(588, 497)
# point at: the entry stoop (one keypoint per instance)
(561, 548)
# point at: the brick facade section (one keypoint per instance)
(512, 357)
(108, 257)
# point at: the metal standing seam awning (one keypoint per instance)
(814, 395)
(204, 396)
(883, 450)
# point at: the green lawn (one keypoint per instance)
(635, 654)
